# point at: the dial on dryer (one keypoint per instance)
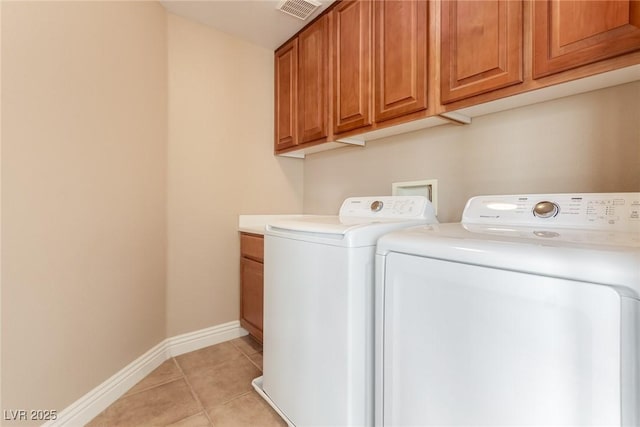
(545, 209)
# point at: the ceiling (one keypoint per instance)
(256, 21)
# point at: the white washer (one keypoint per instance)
(318, 309)
(526, 313)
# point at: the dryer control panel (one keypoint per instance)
(599, 211)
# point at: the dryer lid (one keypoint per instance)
(591, 237)
(603, 257)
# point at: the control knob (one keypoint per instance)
(545, 209)
(376, 206)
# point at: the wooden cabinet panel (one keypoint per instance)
(367, 65)
(313, 65)
(252, 246)
(352, 65)
(400, 53)
(568, 34)
(482, 47)
(252, 296)
(286, 95)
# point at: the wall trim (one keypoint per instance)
(196, 340)
(97, 400)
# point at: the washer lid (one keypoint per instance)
(326, 224)
(596, 256)
(338, 231)
(361, 222)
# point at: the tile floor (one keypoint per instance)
(204, 388)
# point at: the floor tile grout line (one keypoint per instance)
(243, 394)
(248, 356)
(180, 374)
(126, 397)
(242, 351)
(254, 363)
(193, 392)
(243, 354)
(127, 394)
(231, 400)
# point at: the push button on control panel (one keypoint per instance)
(545, 209)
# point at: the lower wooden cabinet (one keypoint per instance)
(251, 283)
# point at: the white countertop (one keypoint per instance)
(255, 223)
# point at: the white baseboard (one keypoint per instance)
(203, 338)
(97, 400)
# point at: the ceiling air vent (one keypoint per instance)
(301, 9)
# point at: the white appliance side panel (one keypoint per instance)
(378, 341)
(468, 345)
(318, 331)
(630, 362)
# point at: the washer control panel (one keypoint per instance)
(605, 211)
(377, 205)
(389, 207)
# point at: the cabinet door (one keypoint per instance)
(352, 65)
(252, 246)
(251, 299)
(400, 57)
(481, 47)
(313, 44)
(286, 95)
(568, 34)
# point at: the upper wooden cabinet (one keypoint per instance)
(400, 57)
(301, 88)
(286, 95)
(313, 87)
(569, 34)
(368, 69)
(352, 68)
(482, 47)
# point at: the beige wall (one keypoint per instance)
(84, 113)
(221, 164)
(585, 143)
(131, 142)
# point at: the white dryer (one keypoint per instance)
(526, 313)
(318, 309)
